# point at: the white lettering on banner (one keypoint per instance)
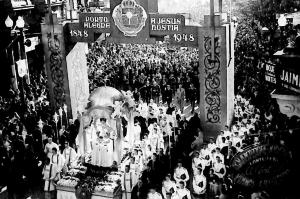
(184, 37)
(96, 22)
(172, 21)
(79, 33)
(270, 68)
(290, 78)
(165, 24)
(165, 27)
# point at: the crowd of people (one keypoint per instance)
(149, 71)
(186, 164)
(26, 124)
(176, 160)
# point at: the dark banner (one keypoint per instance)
(188, 37)
(130, 22)
(98, 22)
(166, 24)
(74, 33)
(261, 166)
(282, 76)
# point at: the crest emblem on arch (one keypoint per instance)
(129, 17)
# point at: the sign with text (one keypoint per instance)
(98, 22)
(290, 79)
(76, 33)
(166, 24)
(188, 37)
(270, 75)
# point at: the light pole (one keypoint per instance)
(21, 63)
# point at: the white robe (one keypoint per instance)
(48, 149)
(59, 161)
(167, 186)
(153, 196)
(69, 156)
(179, 172)
(128, 181)
(49, 184)
(180, 193)
(199, 179)
(217, 169)
(95, 155)
(107, 153)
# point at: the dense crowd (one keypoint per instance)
(180, 162)
(198, 168)
(25, 124)
(150, 71)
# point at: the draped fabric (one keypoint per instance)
(130, 129)
(65, 195)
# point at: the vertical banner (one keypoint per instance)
(78, 78)
(56, 67)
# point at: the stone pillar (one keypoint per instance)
(216, 77)
(78, 78)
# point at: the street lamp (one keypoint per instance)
(9, 22)
(20, 23)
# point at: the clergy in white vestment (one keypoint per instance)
(107, 152)
(196, 162)
(168, 187)
(69, 154)
(219, 168)
(57, 159)
(128, 181)
(153, 194)
(181, 173)
(49, 146)
(216, 154)
(136, 132)
(182, 192)
(134, 167)
(199, 184)
(211, 145)
(143, 109)
(96, 151)
(49, 175)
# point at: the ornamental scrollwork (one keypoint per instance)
(57, 74)
(212, 81)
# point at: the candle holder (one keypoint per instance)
(65, 107)
(55, 118)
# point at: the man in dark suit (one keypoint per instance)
(168, 95)
(139, 191)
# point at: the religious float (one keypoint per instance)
(101, 147)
